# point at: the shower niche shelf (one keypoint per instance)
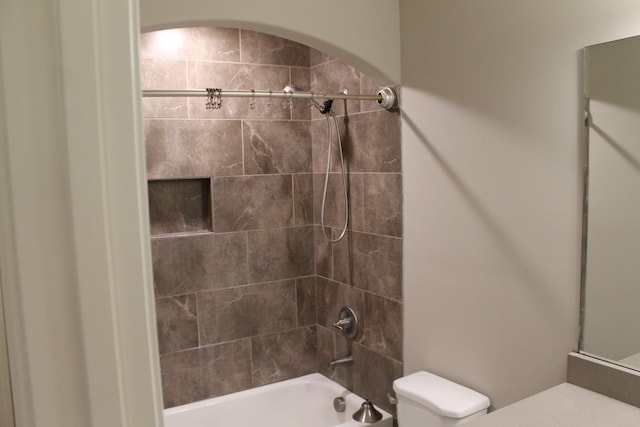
(180, 206)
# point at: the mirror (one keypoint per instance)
(611, 247)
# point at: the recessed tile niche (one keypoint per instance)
(179, 206)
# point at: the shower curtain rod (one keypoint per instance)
(386, 97)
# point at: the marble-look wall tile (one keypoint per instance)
(163, 74)
(276, 147)
(301, 79)
(237, 77)
(306, 301)
(230, 314)
(198, 43)
(192, 375)
(324, 343)
(280, 253)
(342, 260)
(374, 375)
(181, 378)
(178, 206)
(377, 264)
(332, 296)
(333, 77)
(187, 264)
(334, 212)
(193, 148)
(382, 328)
(226, 367)
(333, 345)
(303, 199)
(318, 57)
(260, 48)
(320, 144)
(284, 355)
(323, 254)
(375, 142)
(383, 204)
(252, 202)
(177, 323)
(212, 44)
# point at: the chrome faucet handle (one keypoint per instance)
(347, 323)
(342, 324)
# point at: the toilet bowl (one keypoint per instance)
(427, 400)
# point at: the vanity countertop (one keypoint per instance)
(565, 405)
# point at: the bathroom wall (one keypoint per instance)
(234, 205)
(363, 270)
(492, 182)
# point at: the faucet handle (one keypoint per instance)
(347, 322)
(342, 324)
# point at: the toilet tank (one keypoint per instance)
(427, 400)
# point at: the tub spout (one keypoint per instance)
(346, 360)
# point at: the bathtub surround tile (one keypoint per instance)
(320, 143)
(374, 375)
(382, 326)
(332, 345)
(179, 206)
(163, 74)
(177, 323)
(252, 202)
(383, 204)
(285, 355)
(318, 57)
(377, 264)
(276, 147)
(332, 296)
(192, 375)
(303, 199)
(332, 78)
(306, 301)
(230, 314)
(343, 260)
(266, 158)
(226, 367)
(323, 254)
(301, 79)
(260, 48)
(187, 264)
(181, 378)
(193, 148)
(212, 44)
(376, 142)
(282, 253)
(334, 213)
(198, 43)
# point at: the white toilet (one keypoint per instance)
(427, 400)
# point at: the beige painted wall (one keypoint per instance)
(492, 185)
(364, 33)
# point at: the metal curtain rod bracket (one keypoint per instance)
(386, 97)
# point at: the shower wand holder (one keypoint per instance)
(326, 106)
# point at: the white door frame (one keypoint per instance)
(74, 248)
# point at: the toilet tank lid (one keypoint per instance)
(440, 395)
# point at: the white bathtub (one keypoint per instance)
(301, 402)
